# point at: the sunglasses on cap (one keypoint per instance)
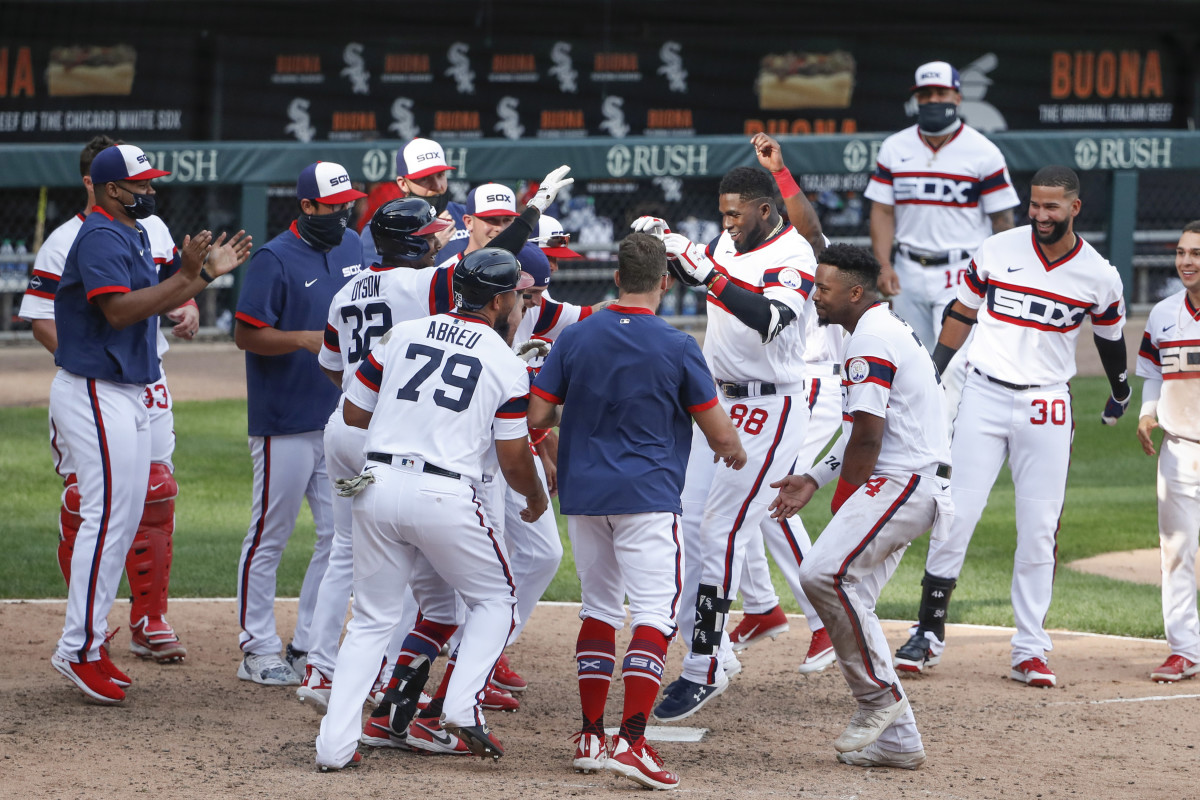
(561, 240)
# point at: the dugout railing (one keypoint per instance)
(1139, 188)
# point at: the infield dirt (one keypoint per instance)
(193, 730)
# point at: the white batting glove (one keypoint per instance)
(534, 348)
(691, 256)
(549, 187)
(655, 226)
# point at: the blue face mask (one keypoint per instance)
(937, 119)
(142, 207)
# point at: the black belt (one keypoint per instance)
(386, 458)
(733, 390)
(934, 259)
(943, 471)
(1016, 387)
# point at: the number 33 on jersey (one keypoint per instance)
(438, 387)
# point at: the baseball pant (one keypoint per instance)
(1034, 429)
(106, 428)
(535, 547)
(287, 470)
(787, 539)
(1178, 530)
(634, 555)
(409, 525)
(159, 406)
(720, 507)
(343, 459)
(847, 568)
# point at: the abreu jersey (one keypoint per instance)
(889, 373)
(942, 197)
(442, 389)
(38, 301)
(781, 268)
(1170, 353)
(1030, 309)
(366, 308)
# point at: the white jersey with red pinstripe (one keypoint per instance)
(781, 268)
(1030, 309)
(1170, 353)
(942, 197)
(889, 373)
(439, 387)
(367, 307)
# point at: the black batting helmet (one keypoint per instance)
(399, 228)
(482, 275)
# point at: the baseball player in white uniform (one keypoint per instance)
(938, 190)
(759, 275)
(457, 386)
(148, 564)
(1030, 290)
(1169, 360)
(892, 470)
(405, 232)
(786, 537)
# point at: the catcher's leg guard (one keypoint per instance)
(710, 611)
(68, 525)
(148, 564)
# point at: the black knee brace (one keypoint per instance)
(710, 608)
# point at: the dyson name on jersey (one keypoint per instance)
(945, 190)
(453, 333)
(1023, 306)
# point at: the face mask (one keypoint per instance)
(323, 232)
(438, 201)
(142, 207)
(937, 119)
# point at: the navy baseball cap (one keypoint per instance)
(534, 263)
(326, 182)
(123, 162)
(937, 74)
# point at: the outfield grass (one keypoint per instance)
(1110, 506)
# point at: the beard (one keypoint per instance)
(1056, 233)
(502, 327)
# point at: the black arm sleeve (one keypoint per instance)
(1112, 356)
(514, 237)
(942, 353)
(755, 310)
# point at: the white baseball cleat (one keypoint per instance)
(268, 669)
(866, 725)
(875, 756)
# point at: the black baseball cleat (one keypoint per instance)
(478, 739)
(916, 654)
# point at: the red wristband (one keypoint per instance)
(717, 284)
(786, 183)
(841, 494)
(536, 435)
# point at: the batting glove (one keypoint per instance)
(655, 226)
(1114, 408)
(534, 348)
(550, 186)
(692, 258)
